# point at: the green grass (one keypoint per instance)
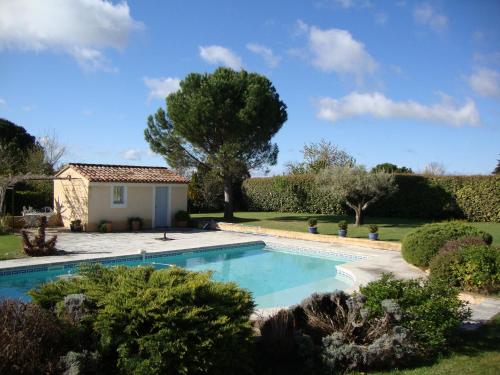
(10, 246)
(477, 353)
(390, 229)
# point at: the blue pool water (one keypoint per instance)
(275, 277)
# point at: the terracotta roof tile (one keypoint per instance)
(127, 173)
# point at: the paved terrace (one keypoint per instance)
(88, 246)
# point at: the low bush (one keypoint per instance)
(479, 268)
(167, 321)
(420, 246)
(431, 311)
(473, 267)
(335, 332)
(312, 222)
(31, 339)
(390, 324)
(443, 266)
(182, 216)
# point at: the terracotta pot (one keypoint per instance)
(181, 224)
(109, 227)
(136, 226)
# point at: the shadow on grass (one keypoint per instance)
(485, 338)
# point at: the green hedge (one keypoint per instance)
(297, 193)
(476, 198)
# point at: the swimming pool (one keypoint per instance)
(275, 276)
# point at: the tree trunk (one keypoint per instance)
(228, 198)
(359, 215)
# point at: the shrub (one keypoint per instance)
(473, 267)
(479, 268)
(161, 321)
(335, 331)
(431, 311)
(343, 225)
(31, 339)
(312, 222)
(136, 219)
(443, 266)
(182, 216)
(373, 228)
(420, 246)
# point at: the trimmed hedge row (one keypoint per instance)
(295, 193)
(476, 198)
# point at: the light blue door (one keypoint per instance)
(161, 206)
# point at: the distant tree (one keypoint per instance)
(497, 168)
(321, 155)
(53, 150)
(434, 169)
(356, 186)
(21, 157)
(223, 121)
(390, 168)
(15, 145)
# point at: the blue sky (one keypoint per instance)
(388, 81)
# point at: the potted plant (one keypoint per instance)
(342, 228)
(135, 223)
(313, 222)
(105, 226)
(181, 218)
(373, 235)
(76, 225)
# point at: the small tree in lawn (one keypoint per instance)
(356, 186)
(223, 122)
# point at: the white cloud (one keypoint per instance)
(160, 88)
(266, 53)
(335, 50)
(301, 28)
(485, 82)
(81, 28)
(132, 154)
(3, 101)
(381, 18)
(28, 108)
(426, 15)
(379, 106)
(219, 55)
(345, 4)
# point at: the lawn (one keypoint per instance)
(477, 353)
(10, 246)
(390, 229)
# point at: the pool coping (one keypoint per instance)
(41, 266)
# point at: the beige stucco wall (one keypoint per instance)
(91, 202)
(72, 195)
(178, 200)
(139, 203)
